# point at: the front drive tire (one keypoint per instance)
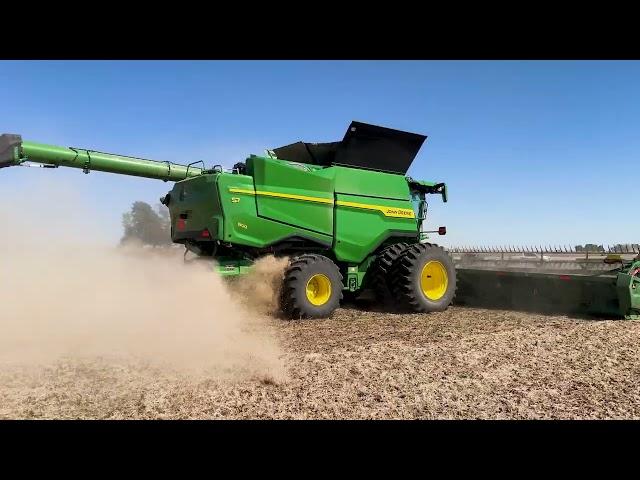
(312, 287)
(424, 278)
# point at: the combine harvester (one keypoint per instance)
(346, 215)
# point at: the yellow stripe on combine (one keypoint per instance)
(296, 197)
(387, 211)
(241, 190)
(283, 195)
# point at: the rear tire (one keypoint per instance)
(312, 287)
(381, 270)
(424, 278)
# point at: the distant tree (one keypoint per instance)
(144, 224)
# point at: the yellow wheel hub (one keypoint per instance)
(319, 289)
(434, 280)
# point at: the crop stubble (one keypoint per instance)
(463, 363)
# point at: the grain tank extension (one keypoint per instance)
(345, 213)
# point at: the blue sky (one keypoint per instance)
(532, 151)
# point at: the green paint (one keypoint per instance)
(628, 288)
(233, 267)
(294, 180)
(103, 162)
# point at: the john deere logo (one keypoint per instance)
(399, 212)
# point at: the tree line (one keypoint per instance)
(622, 247)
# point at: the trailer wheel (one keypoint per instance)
(312, 287)
(424, 278)
(381, 270)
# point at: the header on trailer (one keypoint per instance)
(363, 146)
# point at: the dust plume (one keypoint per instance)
(259, 290)
(64, 293)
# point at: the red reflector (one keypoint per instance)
(565, 277)
(205, 233)
(180, 224)
(442, 230)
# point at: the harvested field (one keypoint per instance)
(463, 363)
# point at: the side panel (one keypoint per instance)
(294, 194)
(282, 200)
(363, 223)
(243, 226)
(195, 206)
(368, 183)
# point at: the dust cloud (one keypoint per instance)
(64, 293)
(259, 290)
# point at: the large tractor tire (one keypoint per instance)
(381, 268)
(312, 287)
(424, 278)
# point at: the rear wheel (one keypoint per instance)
(424, 278)
(312, 287)
(381, 270)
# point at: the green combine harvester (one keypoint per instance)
(345, 214)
